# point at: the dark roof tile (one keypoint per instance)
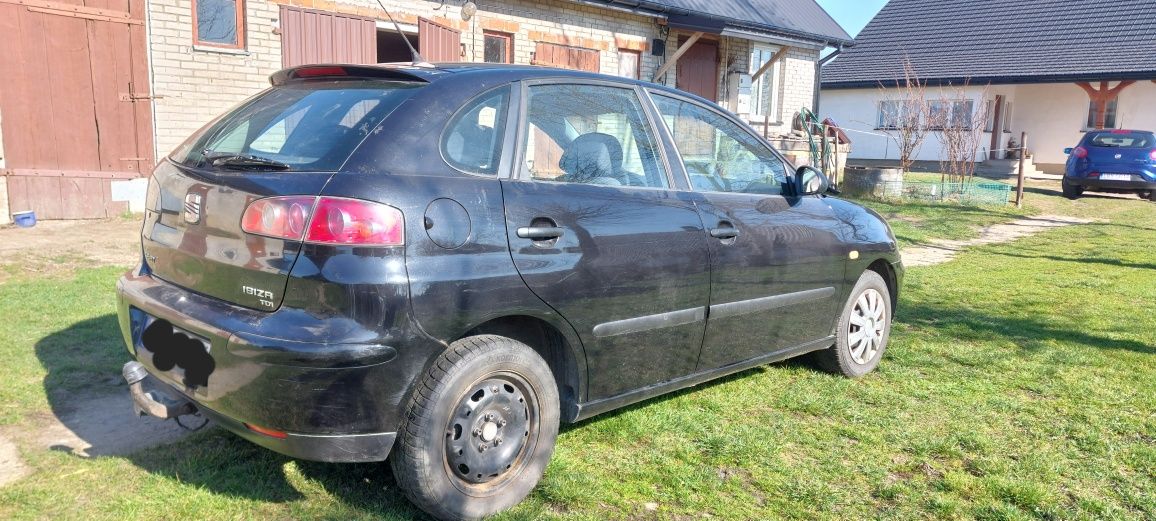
(998, 41)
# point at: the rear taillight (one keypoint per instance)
(325, 220)
(350, 221)
(1080, 153)
(280, 217)
(1152, 155)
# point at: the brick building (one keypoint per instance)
(142, 75)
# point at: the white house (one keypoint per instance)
(1051, 68)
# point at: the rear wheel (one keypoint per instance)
(863, 331)
(1151, 195)
(1071, 191)
(479, 430)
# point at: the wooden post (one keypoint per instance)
(1020, 182)
(677, 54)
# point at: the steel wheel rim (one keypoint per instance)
(491, 432)
(868, 326)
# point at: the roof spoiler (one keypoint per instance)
(307, 72)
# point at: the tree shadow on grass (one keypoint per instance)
(87, 397)
(1028, 333)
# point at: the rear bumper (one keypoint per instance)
(1137, 183)
(337, 398)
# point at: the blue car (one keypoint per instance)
(1112, 161)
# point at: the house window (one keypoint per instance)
(1109, 114)
(220, 23)
(989, 122)
(499, 47)
(949, 114)
(629, 63)
(889, 114)
(764, 91)
(1007, 116)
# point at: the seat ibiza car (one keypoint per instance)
(440, 263)
(1112, 161)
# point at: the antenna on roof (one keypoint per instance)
(413, 52)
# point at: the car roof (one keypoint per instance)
(434, 73)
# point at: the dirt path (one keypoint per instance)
(90, 424)
(940, 251)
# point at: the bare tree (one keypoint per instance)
(960, 119)
(902, 110)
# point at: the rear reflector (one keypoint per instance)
(1094, 174)
(268, 432)
(325, 220)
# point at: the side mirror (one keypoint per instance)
(1068, 151)
(811, 181)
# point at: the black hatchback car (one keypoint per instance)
(441, 263)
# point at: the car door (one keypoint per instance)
(777, 264)
(599, 232)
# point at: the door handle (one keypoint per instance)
(540, 233)
(724, 233)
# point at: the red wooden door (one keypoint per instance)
(309, 37)
(698, 69)
(74, 94)
(438, 43)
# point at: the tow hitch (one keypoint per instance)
(153, 403)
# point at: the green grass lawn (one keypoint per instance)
(1020, 384)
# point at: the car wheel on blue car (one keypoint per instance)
(479, 430)
(1071, 191)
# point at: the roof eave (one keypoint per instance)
(998, 80)
(646, 8)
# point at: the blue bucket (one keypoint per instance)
(24, 219)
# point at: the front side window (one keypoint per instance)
(719, 155)
(473, 140)
(591, 135)
(219, 23)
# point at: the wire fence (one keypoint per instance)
(977, 193)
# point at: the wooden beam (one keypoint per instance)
(1102, 96)
(677, 54)
(770, 63)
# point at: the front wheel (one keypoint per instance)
(1071, 191)
(479, 430)
(863, 331)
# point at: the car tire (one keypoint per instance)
(856, 352)
(479, 430)
(1071, 191)
(1152, 195)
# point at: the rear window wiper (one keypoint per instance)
(244, 161)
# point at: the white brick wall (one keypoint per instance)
(196, 84)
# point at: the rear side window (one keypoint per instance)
(473, 140)
(306, 126)
(591, 134)
(1124, 140)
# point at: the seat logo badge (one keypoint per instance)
(1119, 156)
(193, 208)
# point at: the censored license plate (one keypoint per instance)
(1116, 177)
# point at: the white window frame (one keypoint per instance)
(1114, 124)
(759, 56)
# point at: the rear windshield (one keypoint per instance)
(1124, 140)
(306, 126)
